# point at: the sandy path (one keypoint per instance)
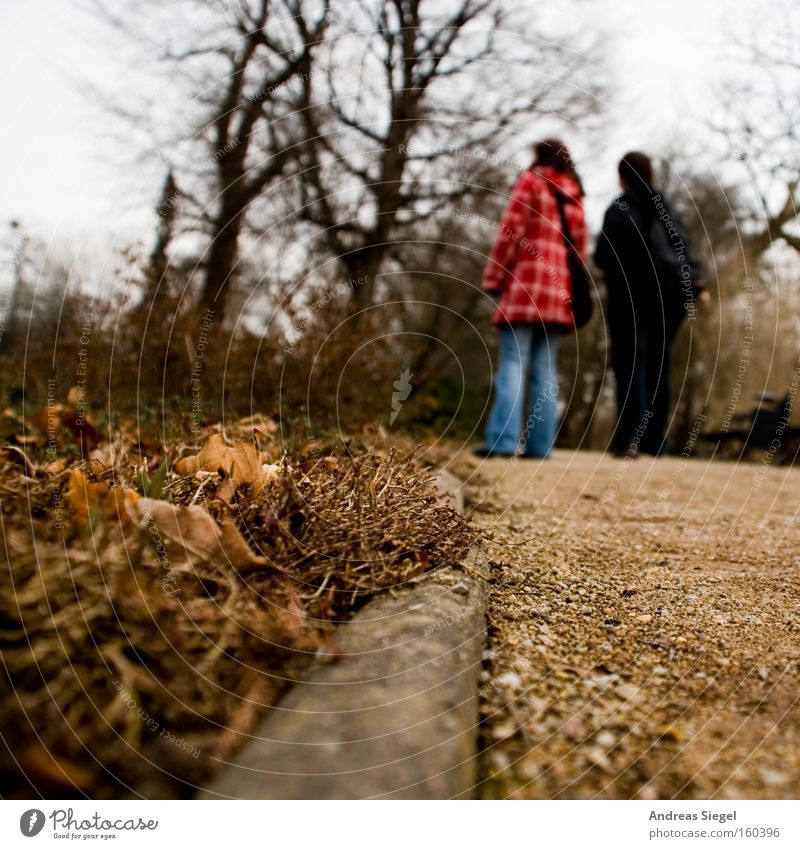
(645, 637)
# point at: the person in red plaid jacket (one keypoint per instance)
(529, 272)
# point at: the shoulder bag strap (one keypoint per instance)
(562, 214)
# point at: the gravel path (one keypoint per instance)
(644, 628)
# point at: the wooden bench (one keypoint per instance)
(764, 428)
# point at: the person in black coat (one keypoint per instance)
(653, 278)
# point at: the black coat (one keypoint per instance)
(649, 266)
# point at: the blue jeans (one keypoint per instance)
(528, 354)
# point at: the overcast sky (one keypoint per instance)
(67, 175)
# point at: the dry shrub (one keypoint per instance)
(331, 368)
(133, 656)
(344, 530)
(141, 347)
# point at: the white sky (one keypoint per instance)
(68, 175)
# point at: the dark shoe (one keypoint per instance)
(485, 452)
(660, 450)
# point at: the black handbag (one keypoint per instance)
(582, 303)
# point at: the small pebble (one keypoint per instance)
(772, 776)
(510, 680)
(606, 739)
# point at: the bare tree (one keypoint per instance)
(397, 132)
(759, 119)
(10, 300)
(235, 70)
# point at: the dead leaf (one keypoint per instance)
(85, 498)
(196, 532)
(226, 492)
(671, 732)
(41, 766)
(187, 465)
(214, 454)
(27, 439)
(52, 420)
(259, 423)
(107, 454)
(241, 463)
(312, 447)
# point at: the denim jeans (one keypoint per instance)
(528, 354)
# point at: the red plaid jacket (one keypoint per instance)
(528, 263)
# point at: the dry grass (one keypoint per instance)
(130, 667)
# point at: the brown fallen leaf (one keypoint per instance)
(55, 418)
(226, 492)
(58, 774)
(27, 439)
(187, 465)
(84, 498)
(107, 454)
(241, 464)
(671, 732)
(194, 530)
(259, 423)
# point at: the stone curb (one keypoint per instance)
(393, 715)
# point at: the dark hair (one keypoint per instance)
(554, 154)
(636, 170)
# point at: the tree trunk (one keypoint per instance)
(362, 268)
(222, 256)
